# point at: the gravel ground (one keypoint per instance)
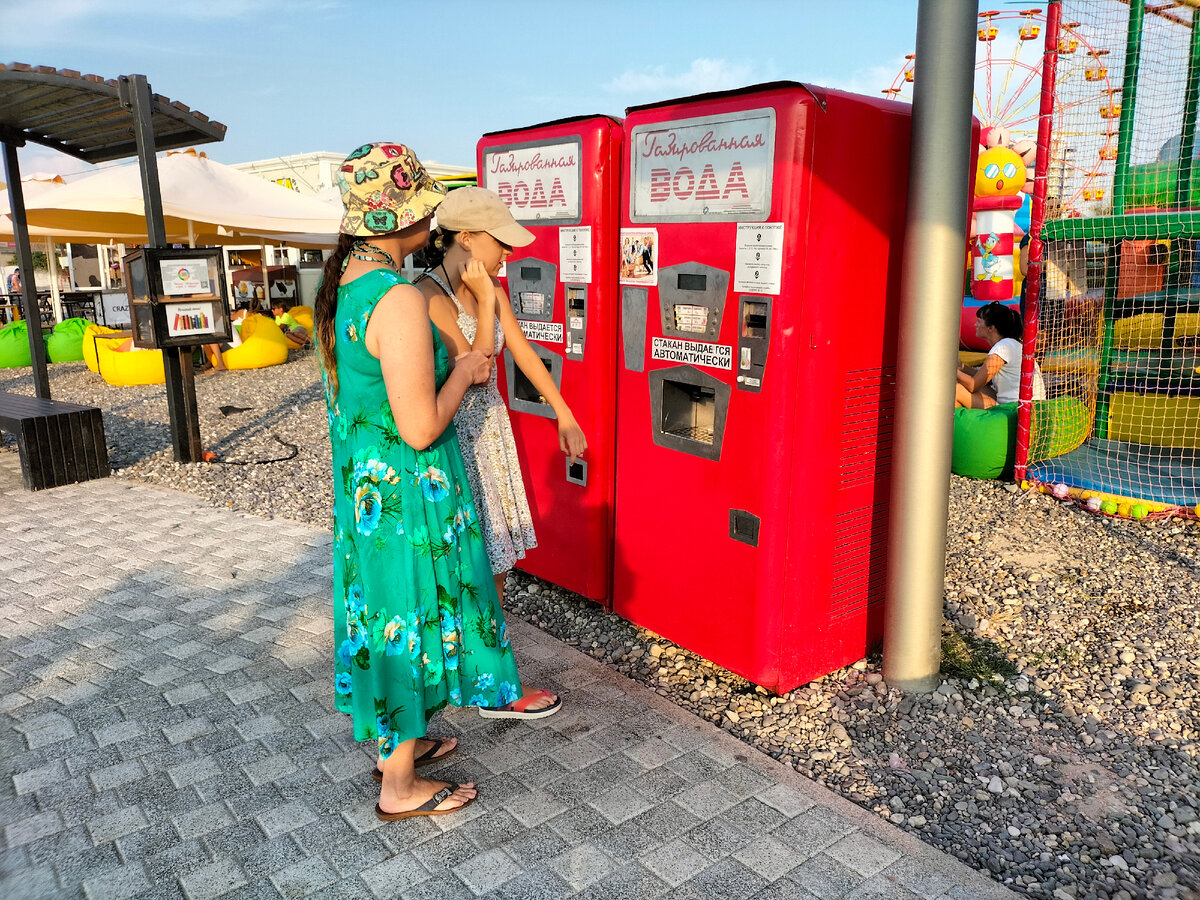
(1060, 753)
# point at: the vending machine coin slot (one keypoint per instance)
(576, 320)
(754, 337)
(531, 288)
(689, 408)
(692, 301)
(523, 396)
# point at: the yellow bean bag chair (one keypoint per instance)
(263, 344)
(122, 365)
(90, 348)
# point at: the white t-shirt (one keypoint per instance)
(1007, 382)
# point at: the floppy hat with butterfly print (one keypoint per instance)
(384, 189)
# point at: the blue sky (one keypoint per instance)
(293, 76)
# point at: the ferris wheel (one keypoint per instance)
(1008, 84)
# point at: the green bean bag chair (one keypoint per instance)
(1059, 426)
(985, 442)
(14, 346)
(65, 343)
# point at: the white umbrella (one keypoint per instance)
(199, 197)
(39, 187)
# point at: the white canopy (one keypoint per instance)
(199, 197)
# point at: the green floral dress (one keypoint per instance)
(416, 621)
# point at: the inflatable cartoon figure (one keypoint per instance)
(999, 177)
(989, 268)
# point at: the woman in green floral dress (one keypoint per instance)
(416, 619)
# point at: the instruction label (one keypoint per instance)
(575, 254)
(758, 261)
(547, 332)
(695, 353)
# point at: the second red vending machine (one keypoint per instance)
(760, 246)
(561, 180)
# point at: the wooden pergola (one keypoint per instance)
(96, 120)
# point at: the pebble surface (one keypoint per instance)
(1073, 775)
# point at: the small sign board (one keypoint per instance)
(177, 297)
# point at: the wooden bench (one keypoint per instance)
(60, 442)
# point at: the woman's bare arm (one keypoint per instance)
(571, 439)
(400, 336)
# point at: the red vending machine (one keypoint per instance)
(561, 180)
(760, 247)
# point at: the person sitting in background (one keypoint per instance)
(292, 330)
(998, 380)
(14, 281)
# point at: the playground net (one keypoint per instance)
(1118, 320)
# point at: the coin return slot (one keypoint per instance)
(688, 411)
(523, 388)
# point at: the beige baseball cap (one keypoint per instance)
(478, 209)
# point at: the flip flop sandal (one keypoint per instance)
(429, 756)
(427, 808)
(519, 709)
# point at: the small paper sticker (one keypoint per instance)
(547, 332)
(639, 256)
(695, 353)
(181, 277)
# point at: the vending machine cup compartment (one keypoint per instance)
(689, 409)
(633, 327)
(522, 395)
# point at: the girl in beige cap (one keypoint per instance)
(476, 234)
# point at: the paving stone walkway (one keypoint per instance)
(167, 730)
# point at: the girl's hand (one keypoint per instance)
(476, 366)
(475, 276)
(570, 437)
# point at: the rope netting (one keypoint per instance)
(1115, 328)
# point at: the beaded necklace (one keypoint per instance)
(368, 252)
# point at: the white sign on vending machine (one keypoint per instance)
(538, 183)
(758, 258)
(575, 254)
(708, 167)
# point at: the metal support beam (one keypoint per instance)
(29, 304)
(935, 241)
(177, 364)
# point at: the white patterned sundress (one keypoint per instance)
(490, 453)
